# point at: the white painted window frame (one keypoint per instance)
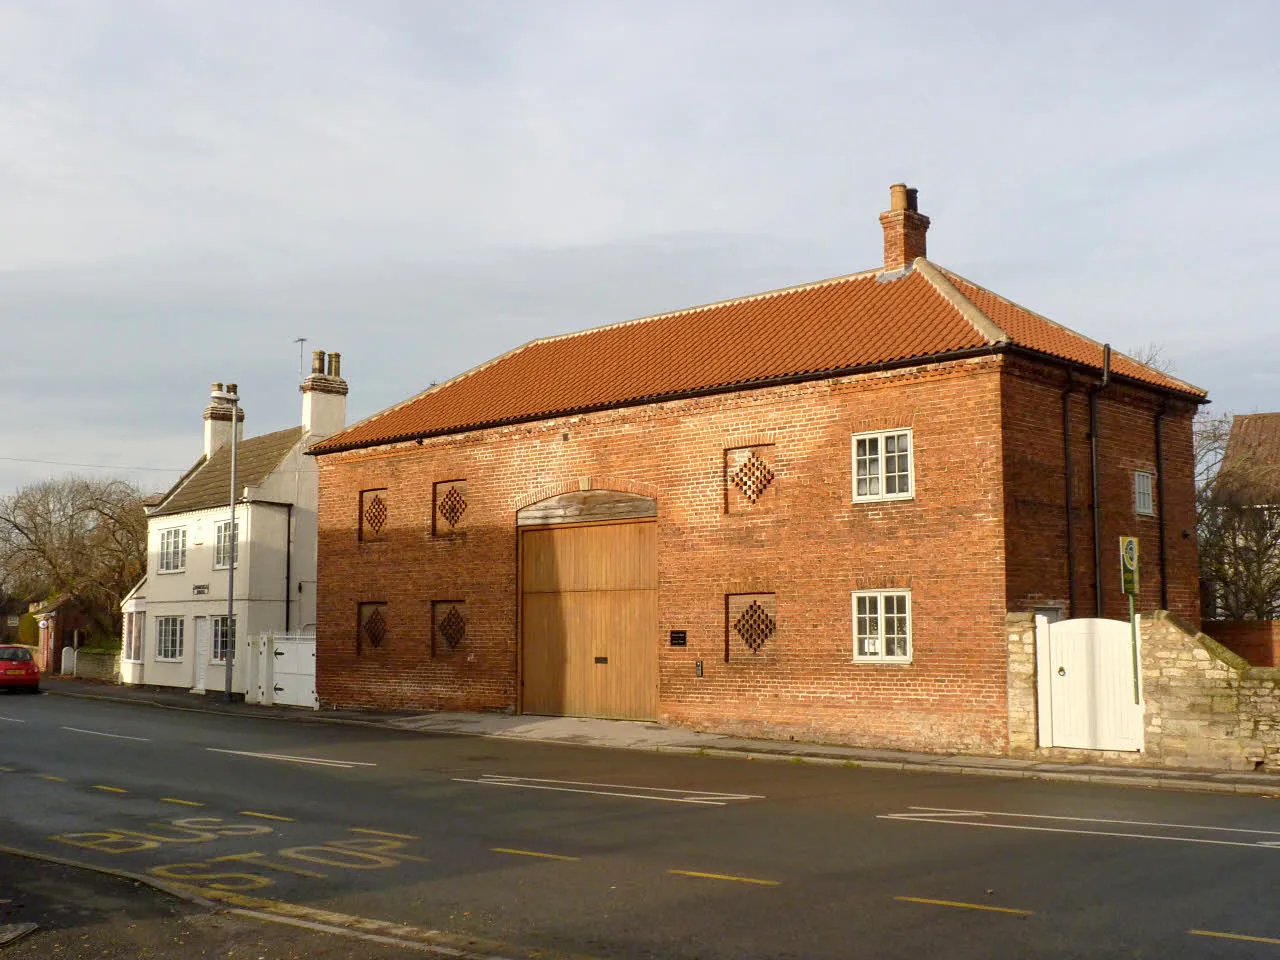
(216, 627)
(880, 656)
(880, 436)
(135, 633)
(164, 637)
(1144, 500)
(221, 531)
(172, 559)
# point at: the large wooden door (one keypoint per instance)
(589, 620)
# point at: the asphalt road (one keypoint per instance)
(523, 849)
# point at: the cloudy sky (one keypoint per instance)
(187, 187)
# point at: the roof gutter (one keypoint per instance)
(965, 354)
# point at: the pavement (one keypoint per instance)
(656, 738)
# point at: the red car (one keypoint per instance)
(18, 670)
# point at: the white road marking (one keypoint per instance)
(114, 736)
(317, 761)
(984, 818)
(948, 811)
(13, 719)
(634, 792)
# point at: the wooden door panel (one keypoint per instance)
(590, 592)
(598, 557)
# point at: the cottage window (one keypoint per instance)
(882, 626)
(173, 550)
(135, 626)
(222, 633)
(169, 638)
(226, 545)
(883, 467)
(1143, 501)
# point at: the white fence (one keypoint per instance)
(282, 670)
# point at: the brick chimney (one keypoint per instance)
(217, 420)
(904, 228)
(324, 396)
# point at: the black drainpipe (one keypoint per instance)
(288, 562)
(1069, 477)
(1164, 569)
(1096, 506)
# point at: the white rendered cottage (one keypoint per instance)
(175, 619)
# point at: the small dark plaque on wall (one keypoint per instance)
(679, 638)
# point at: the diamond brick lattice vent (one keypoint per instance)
(755, 626)
(453, 628)
(753, 478)
(452, 506)
(375, 514)
(375, 628)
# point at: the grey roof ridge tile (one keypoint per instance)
(986, 327)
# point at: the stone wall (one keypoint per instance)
(1020, 630)
(97, 665)
(1206, 707)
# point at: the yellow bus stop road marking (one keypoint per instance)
(384, 833)
(266, 816)
(967, 906)
(725, 876)
(99, 786)
(6, 769)
(185, 803)
(532, 853)
(50, 776)
(1232, 936)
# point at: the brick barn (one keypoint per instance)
(800, 513)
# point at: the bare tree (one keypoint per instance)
(85, 538)
(1153, 355)
(1237, 525)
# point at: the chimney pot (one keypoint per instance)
(233, 389)
(904, 228)
(214, 387)
(324, 397)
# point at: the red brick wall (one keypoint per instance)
(1035, 504)
(1257, 641)
(805, 541)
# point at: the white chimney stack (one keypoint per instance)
(217, 421)
(324, 397)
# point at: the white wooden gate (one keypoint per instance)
(282, 670)
(1084, 673)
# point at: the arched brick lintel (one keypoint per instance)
(584, 484)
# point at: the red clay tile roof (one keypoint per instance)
(833, 326)
(1030, 330)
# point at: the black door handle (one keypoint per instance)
(602, 659)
